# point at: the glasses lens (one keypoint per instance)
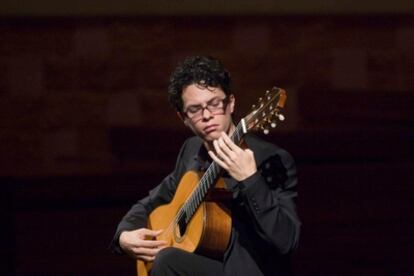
(215, 106)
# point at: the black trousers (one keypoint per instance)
(173, 261)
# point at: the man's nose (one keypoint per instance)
(206, 113)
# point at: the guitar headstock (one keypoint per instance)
(266, 114)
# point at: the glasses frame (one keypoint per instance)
(196, 117)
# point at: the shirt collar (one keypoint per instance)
(202, 159)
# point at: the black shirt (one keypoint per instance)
(265, 227)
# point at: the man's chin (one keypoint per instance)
(210, 137)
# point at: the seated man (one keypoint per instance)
(260, 176)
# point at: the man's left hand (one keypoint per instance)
(238, 162)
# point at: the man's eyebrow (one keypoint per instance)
(197, 105)
(193, 105)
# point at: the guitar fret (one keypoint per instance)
(200, 189)
(208, 179)
(185, 211)
(198, 198)
(191, 209)
(212, 175)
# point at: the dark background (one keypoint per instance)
(86, 130)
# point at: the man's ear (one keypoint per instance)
(232, 103)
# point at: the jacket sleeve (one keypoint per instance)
(137, 216)
(269, 198)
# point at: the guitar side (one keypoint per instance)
(208, 231)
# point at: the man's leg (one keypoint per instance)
(174, 261)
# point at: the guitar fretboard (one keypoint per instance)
(208, 180)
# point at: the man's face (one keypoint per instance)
(208, 111)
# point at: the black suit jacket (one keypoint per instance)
(265, 227)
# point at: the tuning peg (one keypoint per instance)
(266, 131)
(281, 117)
(253, 107)
(273, 124)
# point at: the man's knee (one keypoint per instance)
(166, 255)
(164, 261)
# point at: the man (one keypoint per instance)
(261, 178)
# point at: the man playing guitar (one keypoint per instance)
(259, 176)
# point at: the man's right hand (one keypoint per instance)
(141, 243)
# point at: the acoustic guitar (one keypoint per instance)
(197, 219)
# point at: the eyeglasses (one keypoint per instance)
(216, 106)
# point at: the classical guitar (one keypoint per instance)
(196, 220)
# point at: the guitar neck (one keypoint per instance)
(267, 113)
(209, 178)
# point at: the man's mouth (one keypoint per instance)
(210, 128)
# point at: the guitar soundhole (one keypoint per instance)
(182, 227)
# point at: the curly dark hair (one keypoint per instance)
(201, 70)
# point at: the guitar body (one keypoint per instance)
(208, 231)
